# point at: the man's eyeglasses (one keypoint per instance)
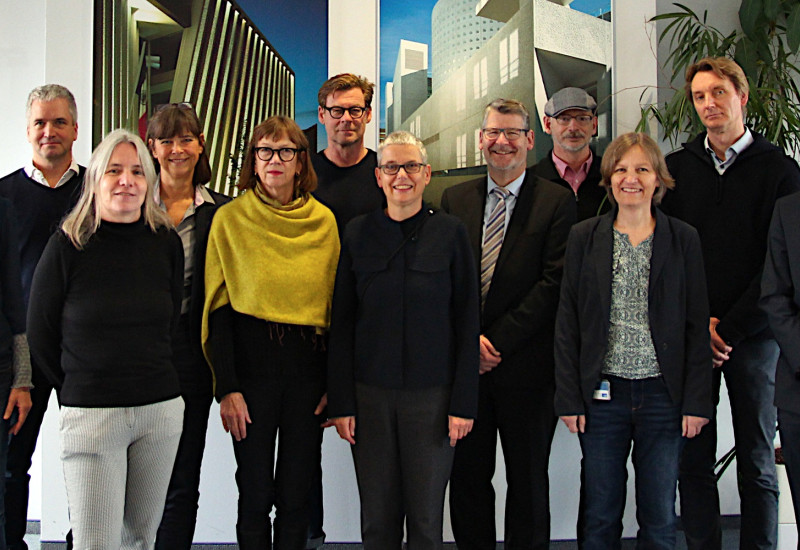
(410, 167)
(510, 133)
(566, 119)
(338, 112)
(284, 153)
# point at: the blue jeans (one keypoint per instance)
(750, 378)
(639, 412)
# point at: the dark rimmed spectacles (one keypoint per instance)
(284, 153)
(338, 112)
(510, 133)
(566, 119)
(410, 167)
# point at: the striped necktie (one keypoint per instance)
(493, 240)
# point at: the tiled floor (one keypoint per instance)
(730, 541)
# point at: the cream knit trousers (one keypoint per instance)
(117, 465)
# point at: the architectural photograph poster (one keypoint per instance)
(442, 61)
(235, 62)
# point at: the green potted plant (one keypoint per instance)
(766, 48)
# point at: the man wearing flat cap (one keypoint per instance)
(571, 118)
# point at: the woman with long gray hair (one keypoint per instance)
(104, 302)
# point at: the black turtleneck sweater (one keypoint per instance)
(100, 320)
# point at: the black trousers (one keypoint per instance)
(750, 379)
(789, 428)
(20, 453)
(403, 459)
(525, 419)
(176, 530)
(281, 400)
(316, 511)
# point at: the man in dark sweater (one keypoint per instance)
(570, 116)
(346, 169)
(726, 183)
(42, 193)
(346, 184)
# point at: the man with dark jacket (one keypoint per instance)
(41, 193)
(780, 298)
(517, 224)
(570, 116)
(726, 183)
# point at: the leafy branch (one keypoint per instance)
(766, 48)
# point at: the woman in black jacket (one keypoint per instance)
(175, 138)
(403, 361)
(633, 362)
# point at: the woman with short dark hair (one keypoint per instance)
(175, 139)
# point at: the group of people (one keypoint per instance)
(612, 292)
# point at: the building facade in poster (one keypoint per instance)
(525, 59)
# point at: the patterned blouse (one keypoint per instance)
(631, 353)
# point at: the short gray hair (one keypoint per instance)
(51, 92)
(84, 220)
(403, 138)
(507, 107)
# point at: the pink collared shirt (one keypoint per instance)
(575, 179)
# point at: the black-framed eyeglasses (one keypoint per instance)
(338, 112)
(510, 133)
(410, 167)
(284, 153)
(566, 119)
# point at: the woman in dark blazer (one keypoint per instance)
(403, 361)
(176, 141)
(633, 362)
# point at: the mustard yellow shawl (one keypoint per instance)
(272, 262)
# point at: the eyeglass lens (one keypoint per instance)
(409, 167)
(284, 153)
(338, 112)
(510, 133)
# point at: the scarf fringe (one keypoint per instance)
(277, 331)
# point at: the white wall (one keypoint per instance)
(43, 41)
(354, 49)
(28, 60)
